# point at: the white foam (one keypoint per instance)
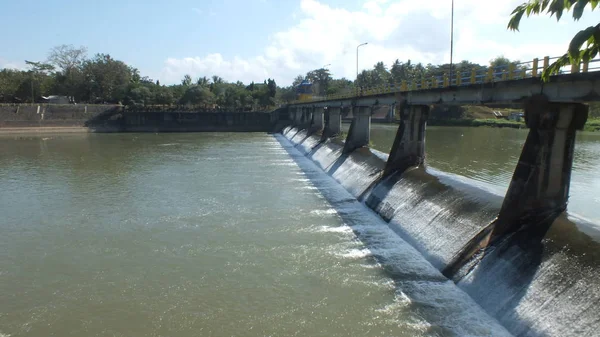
(323, 211)
(354, 254)
(441, 303)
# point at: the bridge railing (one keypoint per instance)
(479, 75)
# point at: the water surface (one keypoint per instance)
(199, 235)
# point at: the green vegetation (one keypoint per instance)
(103, 79)
(592, 125)
(576, 52)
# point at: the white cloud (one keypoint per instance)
(12, 65)
(404, 29)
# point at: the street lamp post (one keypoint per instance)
(362, 44)
(451, 39)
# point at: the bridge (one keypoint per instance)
(501, 84)
(533, 205)
(554, 110)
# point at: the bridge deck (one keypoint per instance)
(480, 86)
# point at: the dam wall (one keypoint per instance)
(115, 118)
(539, 280)
(50, 115)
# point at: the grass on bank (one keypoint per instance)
(592, 125)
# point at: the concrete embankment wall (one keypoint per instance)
(112, 118)
(536, 283)
(49, 115)
(197, 122)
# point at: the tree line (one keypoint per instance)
(103, 79)
(324, 84)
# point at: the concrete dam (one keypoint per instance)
(521, 257)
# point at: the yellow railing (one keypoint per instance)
(480, 75)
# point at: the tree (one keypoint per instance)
(576, 52)
(37, 69)
(380, 74)
(203, 81)
(197, 95)
(320, 79)
(140, 95)
(272, 87)
(297, 80)
(163, 95)
(187, 80)
(106, 79)
(66, 57)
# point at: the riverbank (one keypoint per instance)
(45, 129)
(591, 125)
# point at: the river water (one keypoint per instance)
(216, 234)
(489, 156)
(207, 234)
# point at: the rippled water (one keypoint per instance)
(202, 235)
(489, 156)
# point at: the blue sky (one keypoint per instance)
(255, 39)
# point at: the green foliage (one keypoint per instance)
(592, 125)
(187, 80)
(198, 95)
(320, 79)
(576, 52)
(104, 79)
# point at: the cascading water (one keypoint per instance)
(535, 282)
(419, 286)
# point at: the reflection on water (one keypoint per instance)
(489, 155)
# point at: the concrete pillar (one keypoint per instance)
(317, 120)
(360, 130)
(539, 189)
(332, 122)
(302, 115)
(408, 149)
(390, 116)
(335, 120)
(297, 116)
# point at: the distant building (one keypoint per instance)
(56, 99)
(304, 91)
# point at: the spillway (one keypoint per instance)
(538, 281)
